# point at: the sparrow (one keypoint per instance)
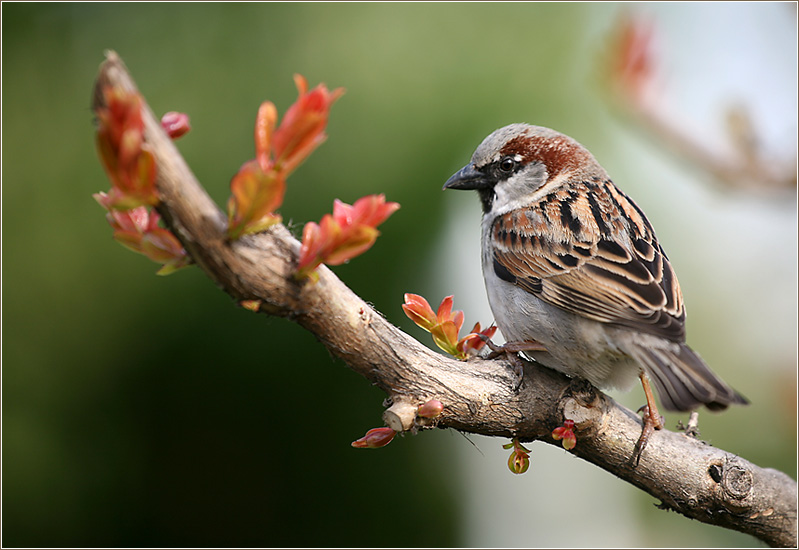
(576, 277)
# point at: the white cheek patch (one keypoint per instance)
(521, 189)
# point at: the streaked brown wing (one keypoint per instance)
(615, 273)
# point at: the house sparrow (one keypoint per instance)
(573, 267)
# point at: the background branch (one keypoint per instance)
(485, 397)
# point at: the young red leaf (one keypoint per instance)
(317, 242)
(264, 128)
(303, 127)
(161, 246)
(120, 144)
(312, 244)
(372, 210)
(444, 311)
(445, 335)
(358, 239)
(566, 433)
(474, 341)
(343, 235)
(519, 459)
(256, 195)
(252, 305)
(137, 229)
(121, 113)
(419, 311)
(130, 144)
(518, 462)
(457, 320)
(444, 325)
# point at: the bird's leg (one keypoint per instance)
(692, 429)
(512, 349)
(652, 419)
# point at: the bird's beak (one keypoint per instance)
(468, 177)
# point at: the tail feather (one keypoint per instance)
(683, 381)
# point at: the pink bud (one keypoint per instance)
(375, 438)
(431, 409)
(175, 124)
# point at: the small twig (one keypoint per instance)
(749, 171)
(633, 90)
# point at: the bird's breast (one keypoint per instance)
(576, 346)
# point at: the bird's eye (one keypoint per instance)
(507, 164)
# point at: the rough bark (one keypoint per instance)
(480, 396)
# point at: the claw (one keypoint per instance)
(692, 429)
(512, 349)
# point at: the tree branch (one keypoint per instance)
(485, 397)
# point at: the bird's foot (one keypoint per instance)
(652, 421)
(692, 428)
(511, 349)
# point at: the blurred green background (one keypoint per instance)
(146, 411)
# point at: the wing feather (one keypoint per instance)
(608, 267)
